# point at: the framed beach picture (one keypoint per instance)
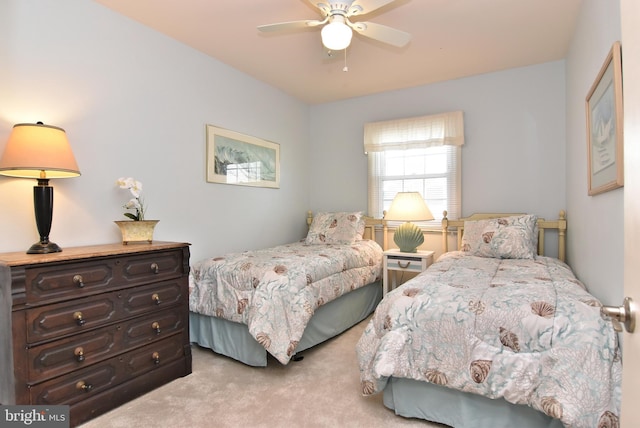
(234, 158)
(605, 126)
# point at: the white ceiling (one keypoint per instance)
(450, 39)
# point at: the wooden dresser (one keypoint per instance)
(93, 327)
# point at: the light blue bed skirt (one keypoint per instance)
(233, 339)
(413, 399)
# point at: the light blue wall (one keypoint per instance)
(596, 244)
(135, 103)
(514, 153)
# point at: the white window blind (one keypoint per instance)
(421, 154)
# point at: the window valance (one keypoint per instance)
(415, 132)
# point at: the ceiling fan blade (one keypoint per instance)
(325, 7)
(362, 7)
(381, 33)
(291, 25)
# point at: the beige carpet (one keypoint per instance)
(322, 390)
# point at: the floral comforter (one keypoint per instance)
(276, 291)
(524, 330)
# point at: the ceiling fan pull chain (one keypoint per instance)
(345, 69)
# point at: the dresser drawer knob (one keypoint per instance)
(79, 353)
(156, 327)
(156, 358)
(77, 280)
(155, 268)
(86, 387)
(78, 317)
(156, 298)
(403, 266)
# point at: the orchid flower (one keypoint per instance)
(137, 204)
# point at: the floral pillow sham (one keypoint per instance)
(514, 237)
(336, 228)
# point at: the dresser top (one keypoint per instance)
(20, 258)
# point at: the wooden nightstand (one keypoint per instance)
(397, 261)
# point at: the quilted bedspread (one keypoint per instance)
(524, 330)
(276, 291)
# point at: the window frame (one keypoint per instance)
(380, 200)
(417, 133)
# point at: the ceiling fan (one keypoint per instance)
(336, 34)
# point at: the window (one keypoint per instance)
(416, 155)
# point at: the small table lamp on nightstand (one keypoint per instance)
(408, 207)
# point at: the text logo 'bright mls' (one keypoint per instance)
(35, 416)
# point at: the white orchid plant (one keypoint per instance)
(136, 203)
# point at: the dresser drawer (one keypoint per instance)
(97, 404)
(153, 327)
(144, 299)
(70, 280)
(77, 316)
(158, 266)
(100, 377)
(78, 351)
(63, 356)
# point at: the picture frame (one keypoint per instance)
(239, 159)
(605, 126)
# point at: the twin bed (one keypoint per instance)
(289, 298)
(495, 334)
(493, 331)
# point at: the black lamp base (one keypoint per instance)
(43, 205)
(44, 248)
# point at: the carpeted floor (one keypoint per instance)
(322, 390)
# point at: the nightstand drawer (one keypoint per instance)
(408, 264)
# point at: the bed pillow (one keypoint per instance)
(336, 228)
(360, 226)
(514, 237)
(477, 237)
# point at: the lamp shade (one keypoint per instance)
(34, 150)
(408, 206)
(336, 35)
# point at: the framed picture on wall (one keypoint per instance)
(234, 158)
(605, 126)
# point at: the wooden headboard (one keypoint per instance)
(560, 225)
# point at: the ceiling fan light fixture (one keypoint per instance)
(336, 35)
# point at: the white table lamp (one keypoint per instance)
(408, 207)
